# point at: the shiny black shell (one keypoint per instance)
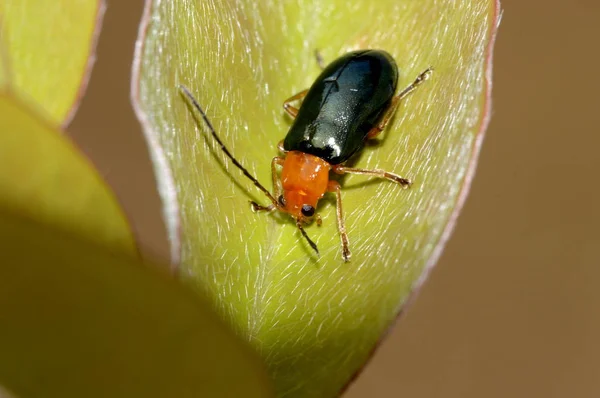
(348, 98)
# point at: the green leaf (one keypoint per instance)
(50, 50)
(4, 69)
(79, 321)
(314, 321)
(43, 176)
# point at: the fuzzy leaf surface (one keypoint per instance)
(314, 321)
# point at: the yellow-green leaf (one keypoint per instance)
(4, 69)
(79, 321)
(314, 321)
(43, 176)
(50, 49)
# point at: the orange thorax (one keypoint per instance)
(304, 179)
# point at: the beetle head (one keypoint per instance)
(298, 204)
(304, 180)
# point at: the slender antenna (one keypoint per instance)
(235, 162)
(310, 242)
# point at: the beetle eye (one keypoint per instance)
(308, 210)
(281, 201)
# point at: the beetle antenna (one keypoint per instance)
(310, 242)
(189, 95)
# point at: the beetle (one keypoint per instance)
(350, 102)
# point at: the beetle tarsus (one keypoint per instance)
(334, 186)
(399, 180)
(256, 207)
(292, 110)
(346, 255)
(420, 79)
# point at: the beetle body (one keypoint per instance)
(346, 101)
(351, 101)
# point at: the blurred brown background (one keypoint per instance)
(512, 308)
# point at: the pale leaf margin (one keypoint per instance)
(87, 72)
(6, 72)
(162, 170)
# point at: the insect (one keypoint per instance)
(351, 101)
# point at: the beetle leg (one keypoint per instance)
(420, 79)
(256, 207)
(276, 187)
(375, 131)
(334, 186)
(276, 183)
(375, 173)
(292, 110)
